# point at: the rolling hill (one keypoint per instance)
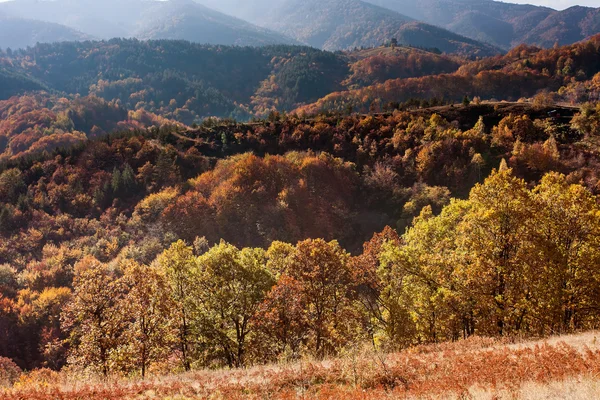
(13, 82)
(166, 81)
(502, 24)
(20, 32)
(143, 19)
(568, 26)
(103, 20)
(178, 79)
(187, 20)
(521, 73)
(346, 24)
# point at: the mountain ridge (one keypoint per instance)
(346, 24)
(21, 32)
(143, 19)
(518, 23)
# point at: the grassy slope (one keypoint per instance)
(564, 367)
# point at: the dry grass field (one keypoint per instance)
(566, 367)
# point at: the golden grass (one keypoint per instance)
(576, 388)
(566, 367)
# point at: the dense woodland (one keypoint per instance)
(264, 238)
(136, 241)
(179, 80)
(55, 94)
(521, 73)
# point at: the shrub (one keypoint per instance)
(9, 372)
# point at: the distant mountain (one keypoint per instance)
(564, 27)
(259, 12)
(502, 24)
(102, 19)
(187, 20)
(20, 32)
(143, 19)
(345, 24)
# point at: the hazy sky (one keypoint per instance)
(558, 4)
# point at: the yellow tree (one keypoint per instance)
(567, 227)
(493, 242)
(380, 293)
(588, 121)
(425, 299)
(94, 317)
(327, 286)
(231, 285)
(149, 305)
(179, 264)
(40, 317)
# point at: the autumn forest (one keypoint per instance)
(168, 207)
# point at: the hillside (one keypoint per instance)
(180, 80)
(502, 24)
(466, 27)
(379, 64)
(568, 26)
(521, 73)
(103, 20)
(187, 20)
(20, 32)
(409, 219)
(294, 238)
(188, 82)
(562, 367)
(144, 19)
(33, 124)
(14, 82)
(346, 24)
(165, 82)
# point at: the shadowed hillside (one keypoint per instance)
(502, 23)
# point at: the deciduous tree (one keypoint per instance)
(94, 316)
(232, 284)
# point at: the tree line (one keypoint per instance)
(508, 260)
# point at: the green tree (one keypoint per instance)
(6, 218)
(12, 184)
(179, 264)
(165, 171)
(232, 284)
(128, 180)
(116, 182)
